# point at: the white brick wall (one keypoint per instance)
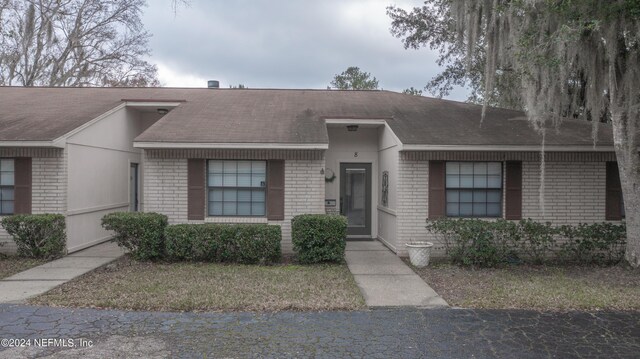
(165, 188)
(165, 191)
(303, 193)
(413, 206)
(49, 191)
(575, 192)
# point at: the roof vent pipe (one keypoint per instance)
(213, 84)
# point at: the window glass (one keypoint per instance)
(7, 182)
(474, 189)
(6, 178)
(237, 188)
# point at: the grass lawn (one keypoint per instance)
(131, 285)
(10, 265)
(536, 287)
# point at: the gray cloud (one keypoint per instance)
(285, 44)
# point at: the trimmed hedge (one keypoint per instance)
(600, 243)
(141, 233)
(319, 237)
(484, 243)
(37, 235)
(239, 243)
(474, 242)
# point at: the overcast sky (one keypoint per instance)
(283, 44)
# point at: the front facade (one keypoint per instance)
(579, 187)
(386, 161)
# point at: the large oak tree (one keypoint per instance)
(570, 58)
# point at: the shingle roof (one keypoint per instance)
(276, 116)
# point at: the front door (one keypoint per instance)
(355, 197)
(133, 188)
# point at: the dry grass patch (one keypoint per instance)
(556, 288)
(132, 285)
(10, 265)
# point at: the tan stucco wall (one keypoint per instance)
(388, 160)
(99, 159)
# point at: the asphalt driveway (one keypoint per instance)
(381, 333)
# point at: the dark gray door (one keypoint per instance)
(133, 188)
(355, 197)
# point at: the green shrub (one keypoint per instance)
(37, 235)
(238, 243)
(476, 242)
(319, 237)
(490, 243)
(536, 240)
(141, 233)
(597, 243)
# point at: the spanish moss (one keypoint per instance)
(574, 60)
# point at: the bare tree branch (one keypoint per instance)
(74, 43)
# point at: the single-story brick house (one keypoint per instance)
(387, 161)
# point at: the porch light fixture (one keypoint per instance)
(162, 111)
(352, 128)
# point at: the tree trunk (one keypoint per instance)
(626, 147)
(630, 181)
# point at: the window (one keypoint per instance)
(474, 189)
(237, 188)
(7, 177)
(614, 202)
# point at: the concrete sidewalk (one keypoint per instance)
(45, 277)
(385, 280)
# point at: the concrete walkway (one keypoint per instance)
(45, 277)
(385, 280)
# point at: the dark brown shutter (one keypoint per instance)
(613, 196)
(196, 186)
(437, 199)
(275, 190)
(22, 186)
(513, 190)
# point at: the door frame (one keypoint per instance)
(367, 232)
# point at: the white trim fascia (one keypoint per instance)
(152, 104)
(31, 144)
(62, 139)
(386, 210)
(355, 121)
(395, 137)
(234, 146)
(76, 212)
(505, 148)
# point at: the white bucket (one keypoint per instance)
(419, 253)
